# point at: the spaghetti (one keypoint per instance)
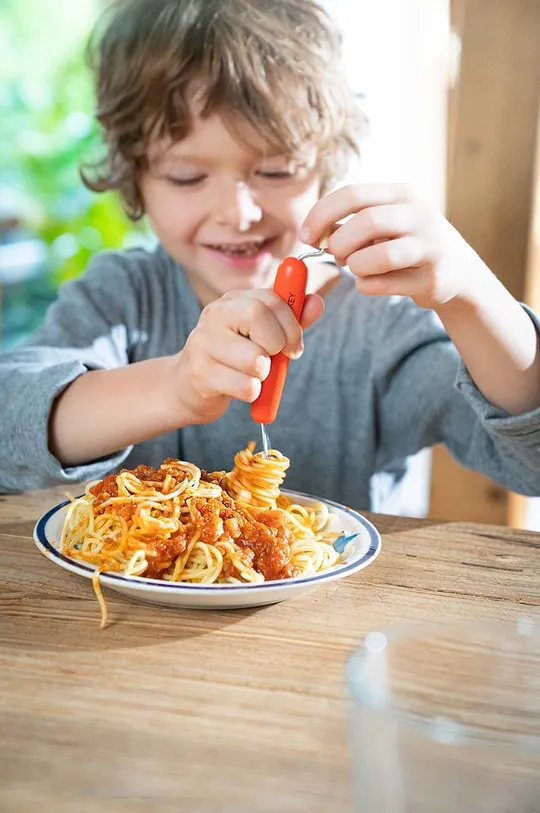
(181, 524)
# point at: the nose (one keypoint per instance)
(237, 207)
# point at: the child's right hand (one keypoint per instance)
(228, 354)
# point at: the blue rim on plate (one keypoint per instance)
(161, 585)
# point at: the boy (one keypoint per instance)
(226, 123)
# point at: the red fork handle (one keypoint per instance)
(290, 285)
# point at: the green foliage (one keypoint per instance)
(47, 131)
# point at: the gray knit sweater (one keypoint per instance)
(379, 380)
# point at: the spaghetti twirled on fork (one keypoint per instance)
(181, 524)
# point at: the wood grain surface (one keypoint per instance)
(215, 712)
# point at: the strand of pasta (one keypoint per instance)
(160, 508)
(256, 480)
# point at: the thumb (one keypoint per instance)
(312, 310)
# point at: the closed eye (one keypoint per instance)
(186, 181)
(276, 175)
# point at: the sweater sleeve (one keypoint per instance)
(427, 396)
(92, 326)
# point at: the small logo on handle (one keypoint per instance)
(291, 300)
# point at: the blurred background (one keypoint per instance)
(49, 223)
(451, 88)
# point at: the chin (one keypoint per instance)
(245, 283)
(248, 278)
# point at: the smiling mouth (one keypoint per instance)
(250, 248)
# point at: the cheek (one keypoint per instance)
(299, 205)
(291, 203)
(172, 220)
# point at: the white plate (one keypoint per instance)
(360, 553)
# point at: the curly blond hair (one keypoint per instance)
(272, 64)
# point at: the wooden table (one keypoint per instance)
(214, 712)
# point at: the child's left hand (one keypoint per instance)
(394, 245)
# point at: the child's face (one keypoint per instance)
(223, 210)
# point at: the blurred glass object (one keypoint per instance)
(446, 718)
